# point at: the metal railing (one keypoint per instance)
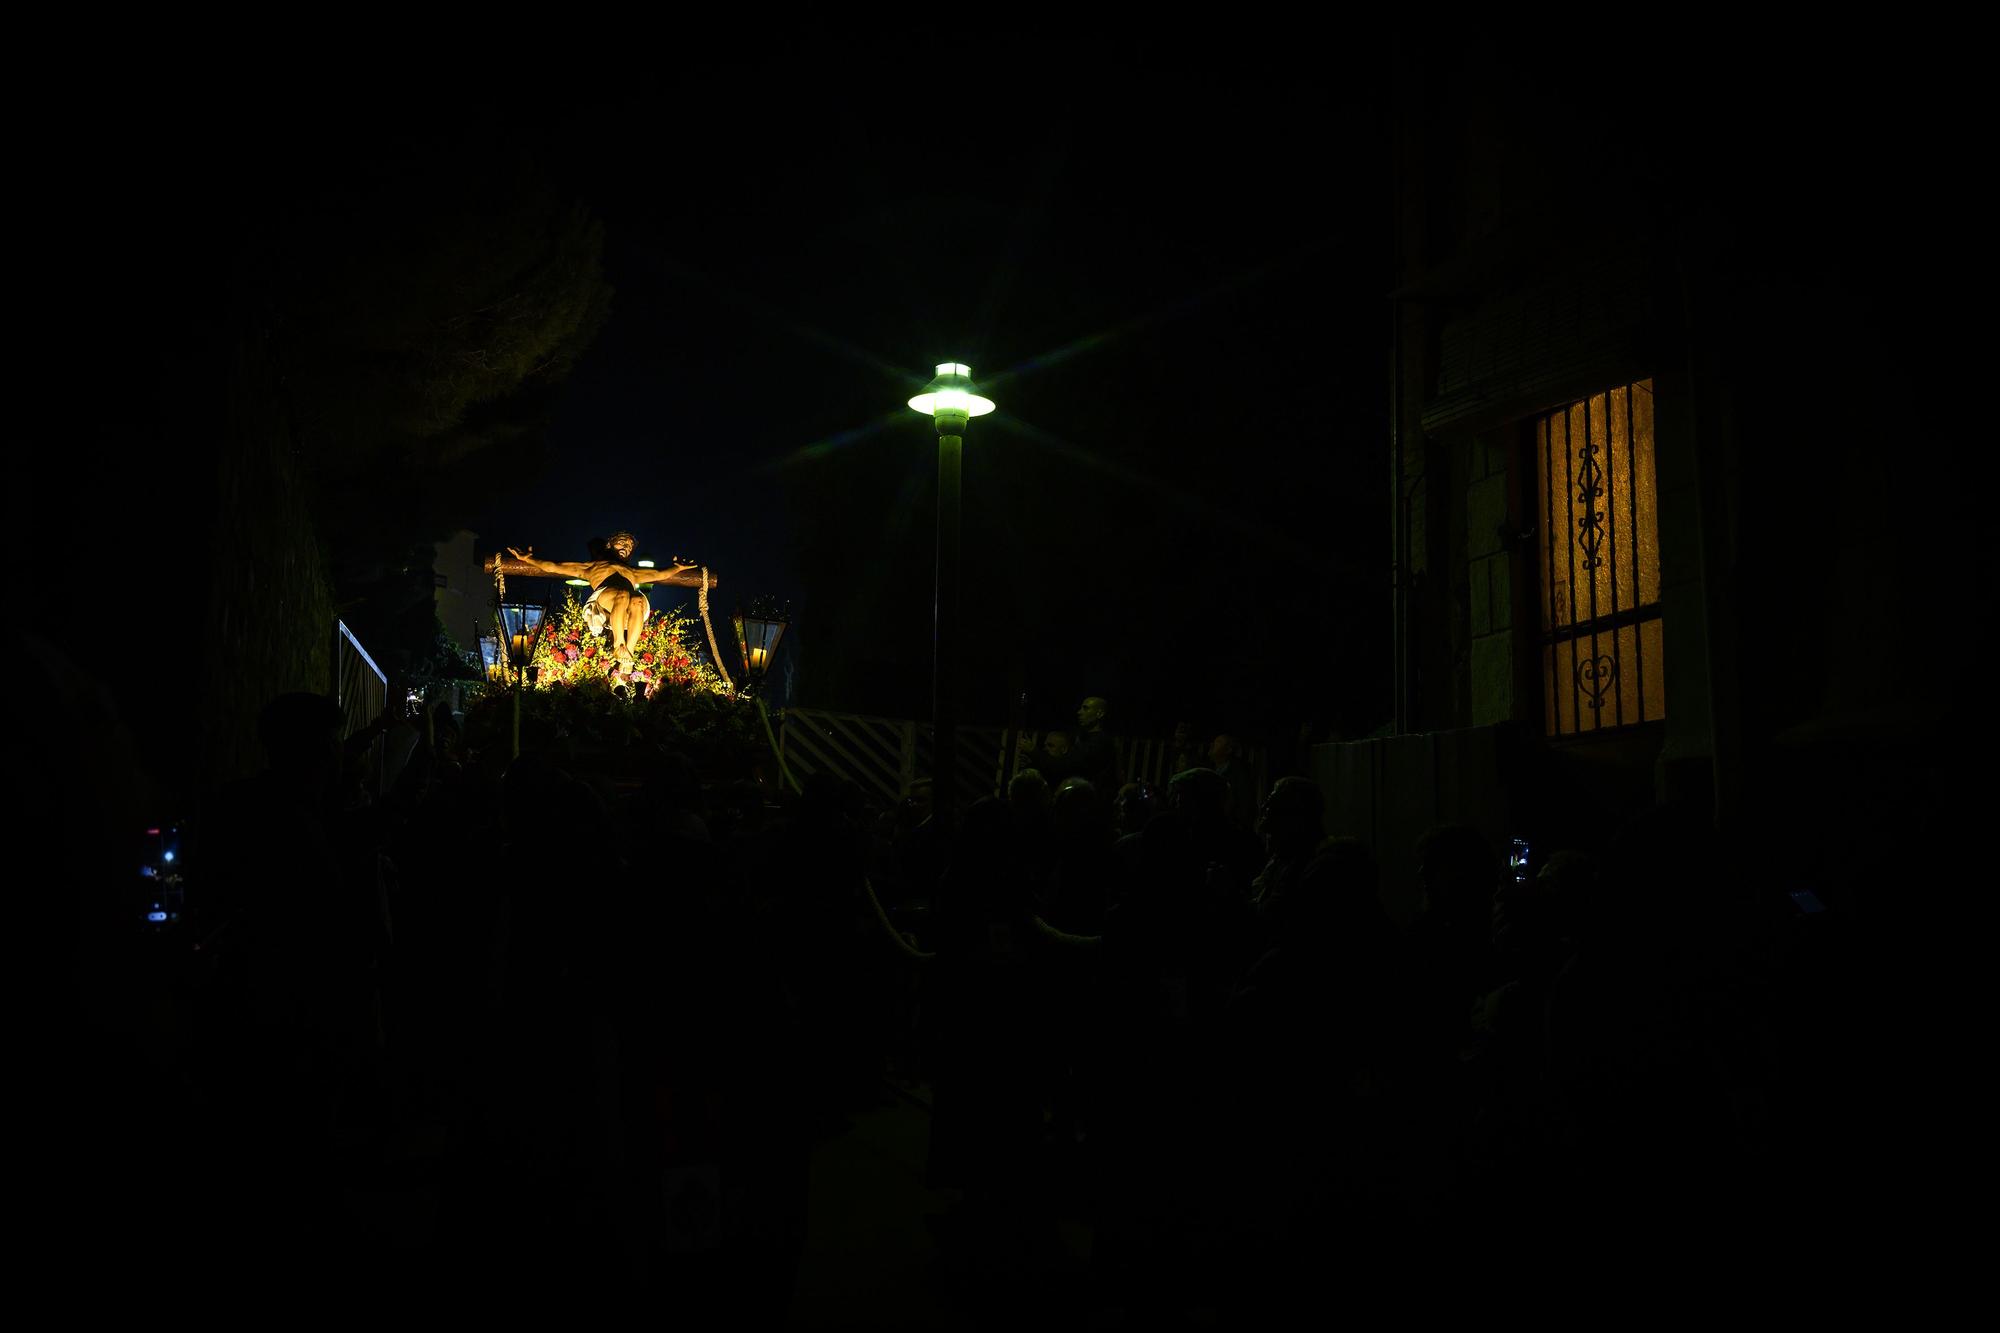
(884, 755)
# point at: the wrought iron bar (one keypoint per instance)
(1569, 544)
(1591, 538)
(1638, 596)
(1631, 615)
(1549, 528)
(1613, 529)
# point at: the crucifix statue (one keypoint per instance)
(617, 597)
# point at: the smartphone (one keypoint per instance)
(160, 871)
(1807, 901)
(1517, 860)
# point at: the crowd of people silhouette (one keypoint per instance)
(455, 1038)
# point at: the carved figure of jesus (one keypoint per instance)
(616, 589)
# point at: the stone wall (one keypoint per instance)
(1489, 593)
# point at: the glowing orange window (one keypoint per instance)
(1600, 563)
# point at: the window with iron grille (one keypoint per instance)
(1600, 555)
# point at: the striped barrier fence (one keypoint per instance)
(884, 755)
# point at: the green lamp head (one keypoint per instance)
(949, 398)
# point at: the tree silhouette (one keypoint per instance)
(426, 304)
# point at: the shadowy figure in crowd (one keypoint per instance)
(1646, 1022)
(293, 1040)
(528, 1191)
(1079, 886)
(627, 1041)
(987, 1110)
(1031, 817)
(1303, 1060)
(1134, 808)
(826, 940)
(917, 853)
(1074, 903)
(1292, 824)
(1507, 1164)
(1451, 941)
(105, 1090)
(1225, 756)
(714, 1098)
(1448, 965)
(1185, 881)
(1091, 754)
(1170, 938)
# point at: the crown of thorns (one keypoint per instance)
(621, 533)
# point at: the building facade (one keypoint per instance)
(1654, 393)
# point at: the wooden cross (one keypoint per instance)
(680, 578)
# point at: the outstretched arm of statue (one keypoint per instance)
(568, 568)
(642, 576)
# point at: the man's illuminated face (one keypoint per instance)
(621, 545)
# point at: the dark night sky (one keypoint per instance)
(1172, 272)
(1172, 275)
(1173, 285)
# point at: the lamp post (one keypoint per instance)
(949, 401)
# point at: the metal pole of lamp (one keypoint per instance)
(950, 401)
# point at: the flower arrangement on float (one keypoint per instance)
(607, 720)
(569, 654)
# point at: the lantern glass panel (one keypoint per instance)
(520, 622)
(759, 640)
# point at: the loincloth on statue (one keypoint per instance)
(597, 614)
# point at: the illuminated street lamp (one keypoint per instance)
(949, 400)
(950, 395)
